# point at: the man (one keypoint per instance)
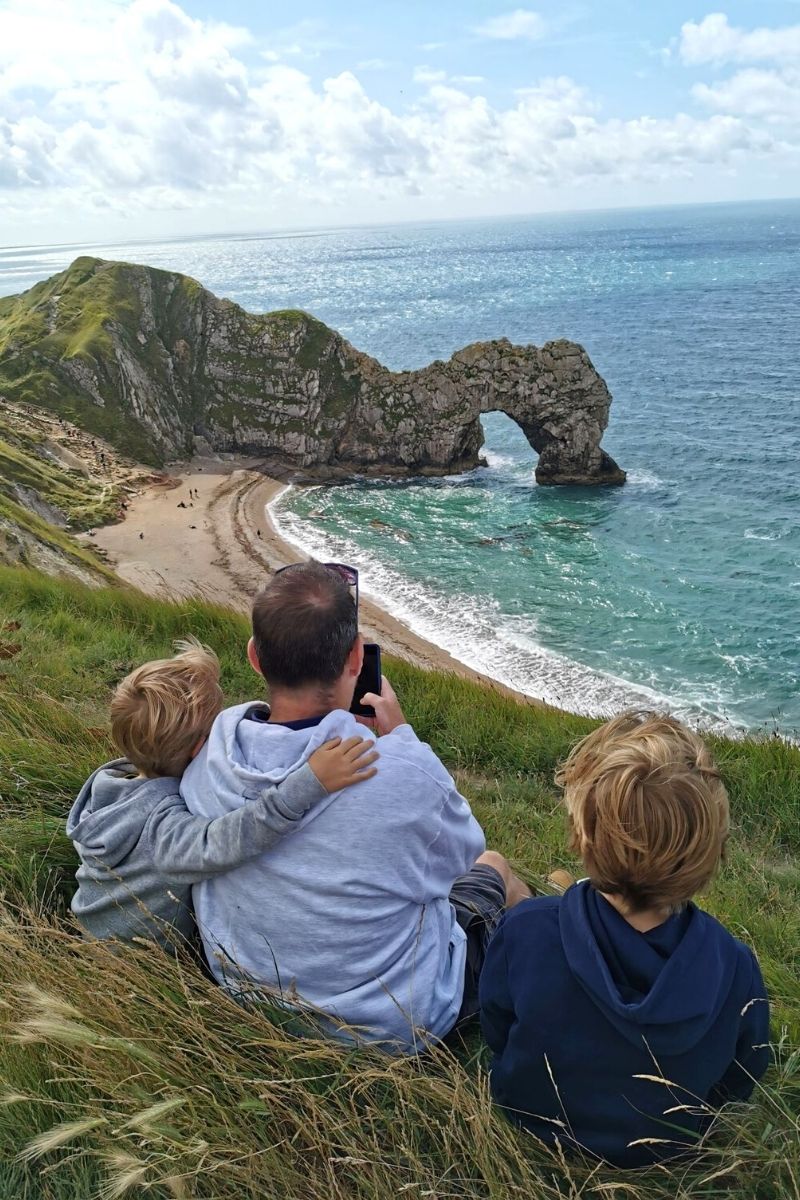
(362, 912)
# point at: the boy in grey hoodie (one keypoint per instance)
(140, 848)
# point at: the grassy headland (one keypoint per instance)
(134, 1075)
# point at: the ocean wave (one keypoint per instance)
(472, 629)
(762, 535)
(497, 461)
(645, 480)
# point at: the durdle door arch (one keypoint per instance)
(163, 368)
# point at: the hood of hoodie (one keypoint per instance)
(242, 755)
(667, 985)
(111, 809)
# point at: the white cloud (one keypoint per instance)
(429, 75)
(127, 105)
(768, 94)
(773, 96)
(521, 23)
(715, 40)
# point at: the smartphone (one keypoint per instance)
(369, 680)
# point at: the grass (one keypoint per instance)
(58, 350)
(132, 1075)
(26, 538)
(25, 463)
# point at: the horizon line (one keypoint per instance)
(321, 230)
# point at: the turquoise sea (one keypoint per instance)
(680, 589)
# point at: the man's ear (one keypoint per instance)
(355, 659)
(252, 657)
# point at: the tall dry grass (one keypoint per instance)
(131, 1074)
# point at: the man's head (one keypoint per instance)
(163, 711)
(648, 811)
(305, 635)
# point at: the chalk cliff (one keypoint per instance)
(162, 368)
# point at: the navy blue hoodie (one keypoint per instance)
(580, 1008)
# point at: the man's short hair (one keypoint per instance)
(163, 709)
(648, 811)
(304, 626)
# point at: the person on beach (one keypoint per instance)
(620, 1014)
(377, 911)
(140, 848)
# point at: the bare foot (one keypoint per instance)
(560, 880)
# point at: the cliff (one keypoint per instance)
(161, 367)
(55, 479)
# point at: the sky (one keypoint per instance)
(124, 119)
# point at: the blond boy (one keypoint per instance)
(140, 848)
(620, 1014)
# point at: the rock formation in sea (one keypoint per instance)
(163, 368)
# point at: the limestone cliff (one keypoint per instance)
(161, 367)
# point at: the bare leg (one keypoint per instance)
(516, 890)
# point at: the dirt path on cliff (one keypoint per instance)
(205, 530)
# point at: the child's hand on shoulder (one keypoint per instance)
(339, 764)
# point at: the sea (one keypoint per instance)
(680, 590)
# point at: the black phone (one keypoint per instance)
(369, 680)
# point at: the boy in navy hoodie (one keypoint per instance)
(620, 1014)
(140, 847)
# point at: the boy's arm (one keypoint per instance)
(497, 1009)
(752, 1047)
(189, 849)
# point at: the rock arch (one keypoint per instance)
(161, 367)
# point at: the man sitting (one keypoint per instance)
(374, 910)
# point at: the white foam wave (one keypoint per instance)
(471, 628)
(761, 535)
(645, 480)
(495, 460)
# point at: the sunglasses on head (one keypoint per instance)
(345, 572)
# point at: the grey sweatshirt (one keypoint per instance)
(352, 912)
(141, 849)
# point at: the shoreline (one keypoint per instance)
(206, 530)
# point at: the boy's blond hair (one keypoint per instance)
(163, 709)
(647, 809)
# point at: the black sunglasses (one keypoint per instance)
(345, 572)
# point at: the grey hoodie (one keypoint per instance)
(141, 850)
(352, 912)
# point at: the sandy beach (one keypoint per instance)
(204, 529)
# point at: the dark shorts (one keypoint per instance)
(479, 900)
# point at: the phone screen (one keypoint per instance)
(369, 680)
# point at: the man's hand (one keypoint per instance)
(339, 764)
(388, 713)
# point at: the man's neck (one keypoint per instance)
(298, 706)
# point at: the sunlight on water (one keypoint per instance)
(680, 588)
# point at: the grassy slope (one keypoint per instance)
(26, 535)
(25, 463)
(67, 318)
(152, 1079)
